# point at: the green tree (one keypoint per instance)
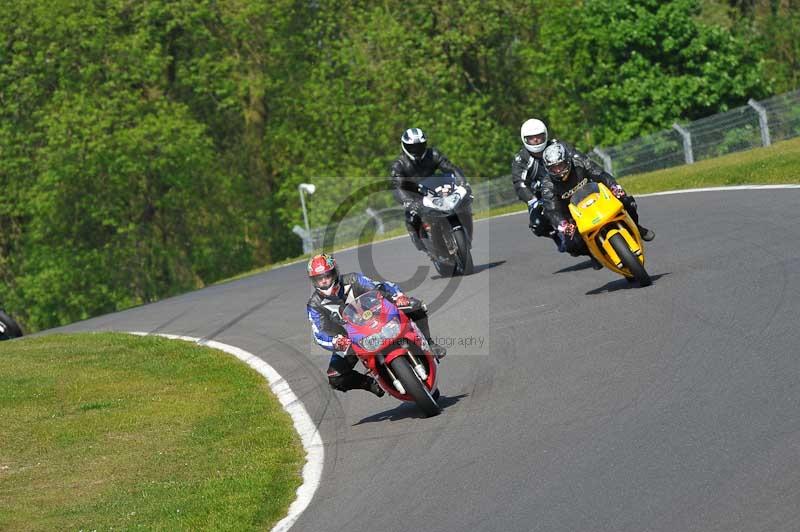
(619, 69)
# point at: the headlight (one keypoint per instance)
(391, 330)
(448, 203)
(372, 342)
(451, 201)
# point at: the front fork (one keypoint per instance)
(395, 381)
(419, 369)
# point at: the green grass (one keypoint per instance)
(112, 431)
(777, 164)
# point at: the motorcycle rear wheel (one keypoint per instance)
(414, 387)
(465, 266)
(630, 261)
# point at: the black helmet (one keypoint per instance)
(557, 160)
(414, 143)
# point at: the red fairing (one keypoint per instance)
(391, 350)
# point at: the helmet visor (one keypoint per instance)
(559, 169)
(416, 150)
(535, 140)
(325, 280)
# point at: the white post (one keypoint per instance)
(308, 245)
(605, 158)
(378, 221)
(762, 121)
(687, 143)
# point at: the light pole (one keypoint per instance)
(308, 245)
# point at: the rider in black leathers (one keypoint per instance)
(332, 292)
(527, 171)
(569, 170)
(416, 163)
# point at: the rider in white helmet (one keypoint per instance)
(527, 171)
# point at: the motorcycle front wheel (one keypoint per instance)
(445, 269)
(414, 387)
(465, 266)
(630, 261)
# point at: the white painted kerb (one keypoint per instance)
(303, 424)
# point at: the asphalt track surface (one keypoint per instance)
(594, 406)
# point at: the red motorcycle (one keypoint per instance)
(393, 350)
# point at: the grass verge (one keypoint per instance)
(776, 164)
(112, 431)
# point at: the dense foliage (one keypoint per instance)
(149, 147)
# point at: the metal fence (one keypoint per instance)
(750, 126)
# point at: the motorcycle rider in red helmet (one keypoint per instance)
(332, 291)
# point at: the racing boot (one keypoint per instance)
(417, 241)
(373, 386)
(438, 351)
(647, 234)
(596, 265)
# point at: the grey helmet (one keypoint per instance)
(557, 160)
(414, 143)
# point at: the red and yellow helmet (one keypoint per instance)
(323, 273)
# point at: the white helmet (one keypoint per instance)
(534, 128)
(414, 143)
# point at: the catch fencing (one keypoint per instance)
(749, 126)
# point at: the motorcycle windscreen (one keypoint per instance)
(364, 308)
(584, 192)
(437, 181)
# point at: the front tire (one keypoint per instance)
(465, 266)
(630, 261)
(445, 269)
(414, 387)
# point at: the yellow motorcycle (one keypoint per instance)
(609, 232)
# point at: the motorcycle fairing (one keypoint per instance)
(599, 215)
(408, 338)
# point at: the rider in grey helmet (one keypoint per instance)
(568, 170)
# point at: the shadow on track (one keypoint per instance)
(478, 268)
(585, 265)
(409, 410)
(621, 284)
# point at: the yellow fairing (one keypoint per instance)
(599, 216)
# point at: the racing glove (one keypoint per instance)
(566, 227)
(341, 343)
(618, 191)
(402, 300)
(412, 207)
